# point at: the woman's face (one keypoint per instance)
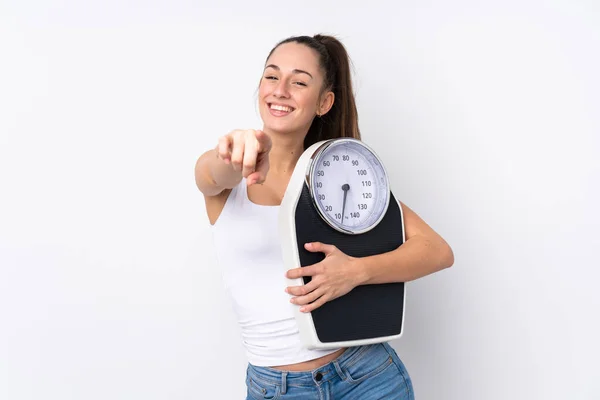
(290, 88)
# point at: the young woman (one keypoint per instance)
(305, 96)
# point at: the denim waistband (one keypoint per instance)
(319, 375)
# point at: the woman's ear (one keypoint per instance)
(326, 103)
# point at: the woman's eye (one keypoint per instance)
(301, 83)
(270, 77)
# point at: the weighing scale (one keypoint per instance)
(339, 194)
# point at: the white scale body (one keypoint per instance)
(339, 194)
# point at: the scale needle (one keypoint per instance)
(345, 188)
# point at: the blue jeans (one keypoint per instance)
(369, 372)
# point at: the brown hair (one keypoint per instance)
(342, 118)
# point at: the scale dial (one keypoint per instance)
(349, 185)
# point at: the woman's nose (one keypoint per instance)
(281, 89)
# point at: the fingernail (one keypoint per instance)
(302, 309)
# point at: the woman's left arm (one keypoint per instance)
(423, 252)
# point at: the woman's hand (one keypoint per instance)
(333, 277)
(248, 152)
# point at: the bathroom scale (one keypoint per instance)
(340, 194)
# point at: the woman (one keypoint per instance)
(305, 96)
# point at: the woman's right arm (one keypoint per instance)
(213, 174)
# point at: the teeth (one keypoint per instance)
(281, 108)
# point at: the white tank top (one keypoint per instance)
(249, 253)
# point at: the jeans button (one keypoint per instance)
(318, 376)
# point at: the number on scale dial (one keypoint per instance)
(349, 186)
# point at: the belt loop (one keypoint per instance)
(339, 370)
(284, 382)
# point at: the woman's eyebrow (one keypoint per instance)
(295, 71)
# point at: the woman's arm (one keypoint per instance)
(213, 175)
(424, 252)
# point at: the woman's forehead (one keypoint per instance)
(289, 56)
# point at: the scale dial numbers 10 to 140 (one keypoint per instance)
(347, 186)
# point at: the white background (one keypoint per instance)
(486, 113)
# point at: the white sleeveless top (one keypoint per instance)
(248, 251)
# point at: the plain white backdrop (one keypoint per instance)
(487, 115)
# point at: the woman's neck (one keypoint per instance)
(285, 152)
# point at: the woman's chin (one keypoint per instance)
(284, 126)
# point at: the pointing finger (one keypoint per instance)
(264, 141)
(250, 154)
(237, 154)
